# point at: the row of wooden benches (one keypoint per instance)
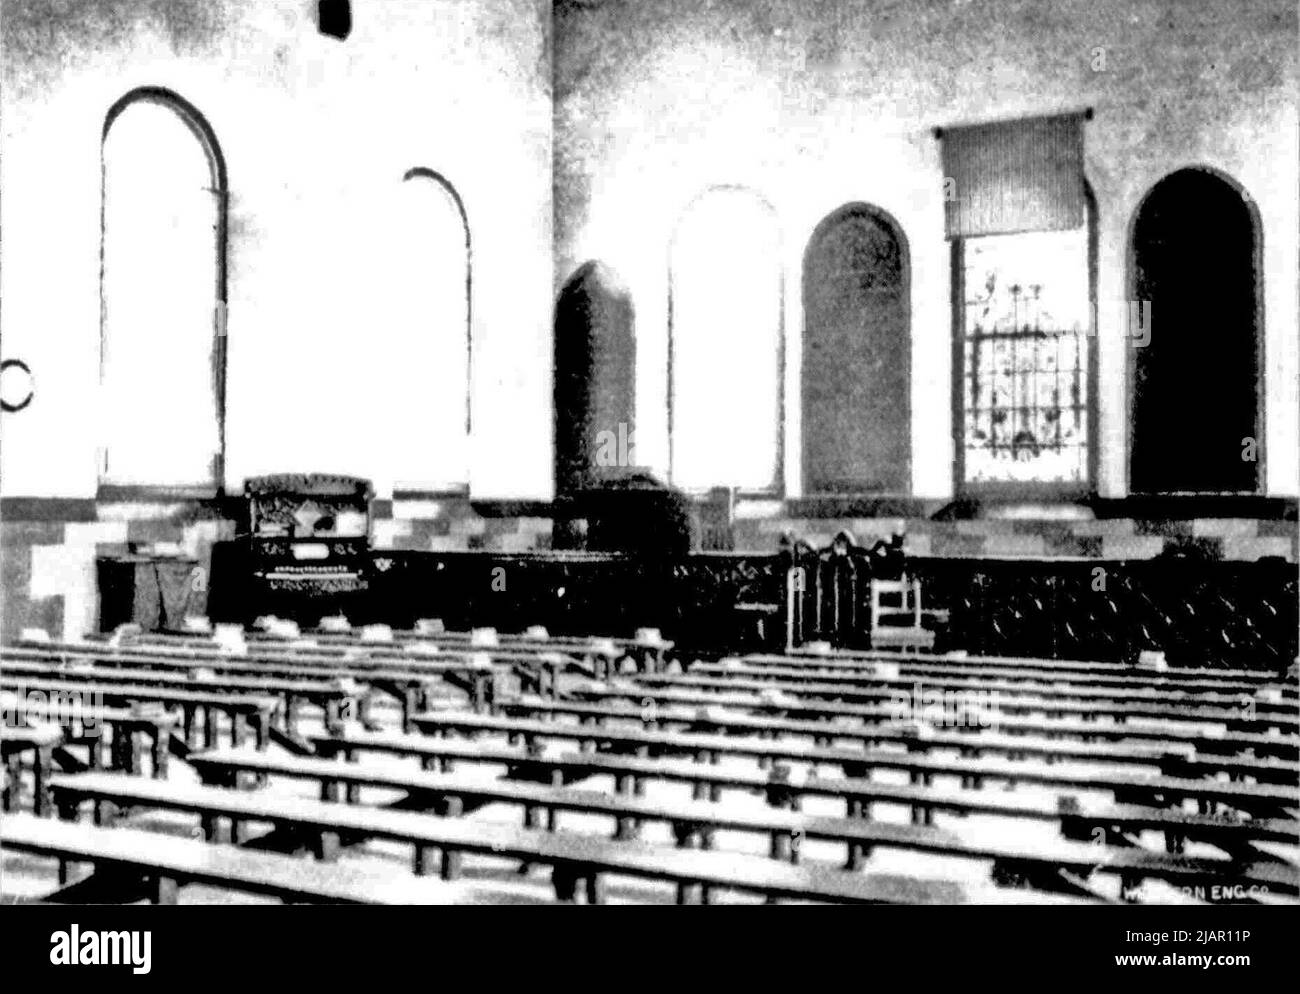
(651, 700)
(432, 632)
(242, 697)
(1248, 727)
(328, 683)
(1137, 801)
(1259, 710)
(1258, 798)
(1067, 867)
(1023, 670)
(1137, 746)
(1228, 833)
(579, 862)
(137, 685)
(163, 864)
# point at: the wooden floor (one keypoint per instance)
(437, 767)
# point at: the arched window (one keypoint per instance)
(1026, 361)
(725, 344)
(425, 414)
(162, 363)
(857, 355)
(1196, 356)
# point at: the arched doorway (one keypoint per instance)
(1196, 424)
(595, 378)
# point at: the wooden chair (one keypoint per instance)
(892, 599)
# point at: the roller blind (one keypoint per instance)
(1012, 176)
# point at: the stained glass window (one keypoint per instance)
(1027, 321)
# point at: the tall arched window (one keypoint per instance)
(725, 343)
(1026, 361)
(857, 365)
(1196, 356)
(162, 296)
(425, 414)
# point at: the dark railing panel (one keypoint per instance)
(1196, 612)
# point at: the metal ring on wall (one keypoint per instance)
(5, 403)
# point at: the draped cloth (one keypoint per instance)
(1006, 177)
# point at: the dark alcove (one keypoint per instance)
(595, 379)
(857, 355)
(1195, 411)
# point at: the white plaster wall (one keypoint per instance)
(816, 105)
(315, 133)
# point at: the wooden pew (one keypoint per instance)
(1199, 682)
(17, 741)
(83, 725)
(359, 664)
(1155, 752)
(1183, 737)
(649, 657)
(538, 661)
(538, 664)
(171, 863)
(255, 709)
(1267, 799)
(1139, 686)
(579, 861)
(332, 698)
(1236, 838)
(411, 685)
(957, 660)
(1049, 701)
(698, 820)
(1010, 668)
(856, 792)
(1277, 745)
(1248, 707)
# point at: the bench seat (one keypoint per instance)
(223, 766)
(1267, 799)
(1149, 754)
(936, 666)
(411, 674)
(191, 695)
(922, 798)
(578, 859)
(293, 668)
(1055, 702)
(906, 636)
(1021, 662)
(1280, 745)
(174, 862)
(1058, 695)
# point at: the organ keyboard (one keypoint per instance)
(309, 543)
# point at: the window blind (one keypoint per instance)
(1012, 176)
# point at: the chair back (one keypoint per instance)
(896, 599)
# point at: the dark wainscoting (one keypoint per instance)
(691, 599)
(1233, 614)
(1199, 612)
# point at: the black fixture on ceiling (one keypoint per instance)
(335, 18)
